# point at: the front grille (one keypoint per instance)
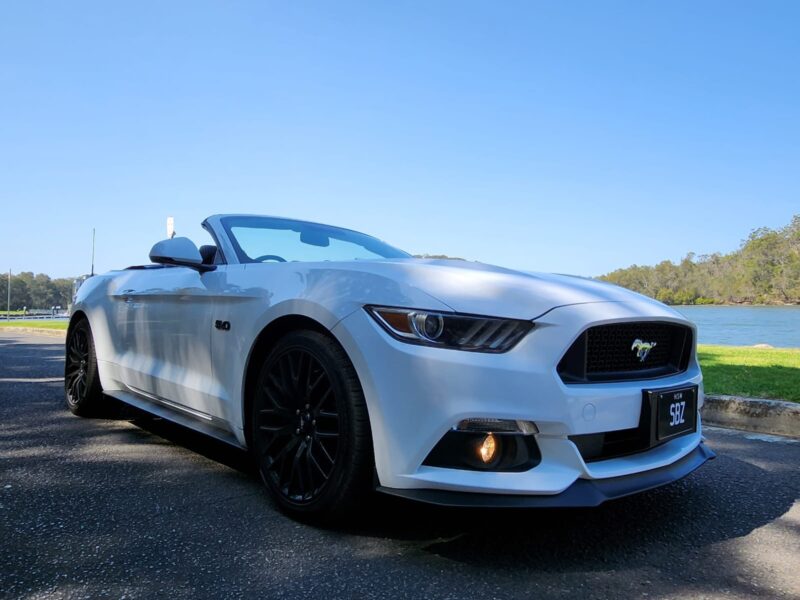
(609, 346)
(607, 352)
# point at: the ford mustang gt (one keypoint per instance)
(346, 365)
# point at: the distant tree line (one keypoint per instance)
(438, 256)
(35, 291)
(764, 270)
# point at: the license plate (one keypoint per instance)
(676, 412)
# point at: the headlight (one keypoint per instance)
(450, 330)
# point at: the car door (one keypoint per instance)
(169, 312)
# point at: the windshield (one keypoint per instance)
(265, 239)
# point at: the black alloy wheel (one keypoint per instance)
(299, 426)
(310, 430)
(81, 380)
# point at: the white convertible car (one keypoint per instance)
(346, 365)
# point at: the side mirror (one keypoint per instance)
(179, 251)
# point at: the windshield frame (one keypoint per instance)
(368, 242)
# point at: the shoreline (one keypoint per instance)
(759, 346)
(739, 305)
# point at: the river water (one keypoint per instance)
(777, 326)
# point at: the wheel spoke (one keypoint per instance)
(313, 381)
(268, 446)
(303, 371)
(297, 470)
(74, 386)
(71, 382)
(277, 430)
(291, 362)
(276, 402)
(327, 394)
(284, 452)
(80, 388)
(284, 463)
(276, 381)
(278, 411)
(314, 462)
(327, 454)
(307, 466)
(286, 374)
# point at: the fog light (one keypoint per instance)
(488, 449)
(485, 450)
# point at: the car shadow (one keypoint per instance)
(230, 456)
(716, 503)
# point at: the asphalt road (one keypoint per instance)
(145, 509)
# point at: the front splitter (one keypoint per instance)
(582, 493)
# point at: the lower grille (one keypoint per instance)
(622, 442)
(627, 351)
(612, 444)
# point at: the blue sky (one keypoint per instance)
(559, 136)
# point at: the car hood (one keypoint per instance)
(477, 288)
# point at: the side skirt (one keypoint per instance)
(175, 413)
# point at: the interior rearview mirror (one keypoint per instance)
(315, 238)
(179, 251)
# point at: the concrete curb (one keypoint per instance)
(775, 417)
(62, 333)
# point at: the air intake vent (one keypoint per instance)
(627, 351)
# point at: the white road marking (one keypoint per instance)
(31, 379)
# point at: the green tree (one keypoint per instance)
(35, 291)
(765, 269)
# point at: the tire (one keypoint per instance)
(310, 429)
(82, 388)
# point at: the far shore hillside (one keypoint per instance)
(764, 271)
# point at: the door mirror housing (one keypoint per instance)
(179, 251)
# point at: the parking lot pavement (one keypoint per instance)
(143, 509)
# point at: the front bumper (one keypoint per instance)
(582, 493)
(416, 394)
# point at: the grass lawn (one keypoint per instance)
(38, 324)
(752, 372)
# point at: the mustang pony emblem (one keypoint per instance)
(642, 348)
